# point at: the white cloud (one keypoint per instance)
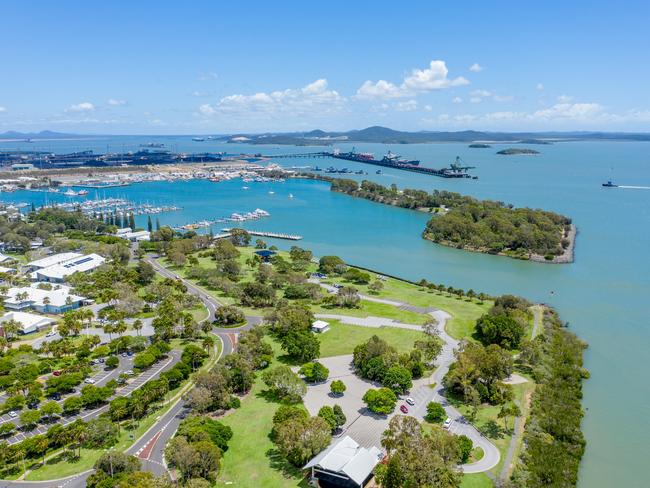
(81, 107)
(575, 111)
(435, 77)
(475, 99)
(457, 100)
(432, 78)
(2, 110)
(407, 106)
(428, 108)
(564, 99)
(475, 68)
(380, 89)
(314, 96)
(540, 87)
(116, 103)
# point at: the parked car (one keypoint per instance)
(410, 401)
(90, 381)
(13, 414)
(123, 354)
(129, 372)
(101, 360)
(56, 373)
(404, 409)
(447, 423)
(56, 396)
(50, 334)
(33, 406)
(129, 353)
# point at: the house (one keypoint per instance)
(320, 326)
(4, 269)
(344, 464)
(42, 297)
(52, 260)
(29, 322)
(5, 259)
(137, 236)
(59, 272)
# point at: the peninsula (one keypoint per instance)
(485, 226)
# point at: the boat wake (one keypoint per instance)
(635, 187)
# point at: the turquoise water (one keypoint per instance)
(604, 295)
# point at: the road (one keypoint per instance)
(423, 393)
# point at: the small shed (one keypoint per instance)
(320, 326)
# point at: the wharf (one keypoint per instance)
(273, 235)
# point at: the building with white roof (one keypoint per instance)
(345, 463)
(320, 326)
(59, 272)
(30, 322)
(140, 235)
(4, 258)
(42, 297)
(52, 260)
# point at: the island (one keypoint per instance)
(479, 146)
(513, 151)
(485, 226)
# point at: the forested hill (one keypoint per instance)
(477, 225)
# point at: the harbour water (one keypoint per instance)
(604, 295)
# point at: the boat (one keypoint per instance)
(198, 139)
(290, 195)
(244, 188)
(378, 172)
(83, 192)
(271, 193)
(70, 193)
(609, 184)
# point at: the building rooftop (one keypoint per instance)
(66, 268)
(346, 457)
(53, 260)
(27, 320)
(58, 295)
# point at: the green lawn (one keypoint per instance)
(250, 460)
(478, 480)
(342, 338)
(375, 309)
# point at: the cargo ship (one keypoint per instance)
(390, 160)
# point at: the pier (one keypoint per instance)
(273, 235)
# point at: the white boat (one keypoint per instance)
(83, 192)
(271, 193)
(244, 188)
(290, 195)
(70, 193)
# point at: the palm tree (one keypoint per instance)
(208, 343)
(11, 327)
(137, 325)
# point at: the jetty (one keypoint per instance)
(273, 235)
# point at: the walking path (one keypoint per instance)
(422, 390)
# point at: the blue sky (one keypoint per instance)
(206, 67)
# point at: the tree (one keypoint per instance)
(257, 295)
(149, 224)
(50, 409)
(300, 439)
(508, 410)
(72, 405)
(381, 401)
(398, 379)
(228, 316)
(337, 387)
(500, 329)
(375, 287)
(101, 432)
(284, 383)
(340, 416)
(145, 271)
(327, 414)
(301, 344)
(199, 399)
(348, 297)
(197, 460)
(416, 459)
(430, 347)
(435, 413)
(314, 371)
(331, 264)
(465, 446)
(112, 362)
(29, 419)
(6, 429)
(114, 463)
(240, 237)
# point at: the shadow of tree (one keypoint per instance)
(278, 463)
(492, 430)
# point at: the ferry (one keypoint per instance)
(198, 139)
(609, 184)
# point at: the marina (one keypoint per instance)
(273, 235)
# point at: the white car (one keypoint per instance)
(13, 414)
(129, 372)
(90, 381)
(447, 424)
(410, 401)
(50, 334)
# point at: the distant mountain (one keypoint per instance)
(385, 135)
(44, 134)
